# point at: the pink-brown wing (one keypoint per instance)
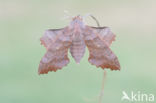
(100, 53)
(50, 36)
(57, 43)
(104, 34)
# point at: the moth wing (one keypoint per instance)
(50, 36)
(99, 52)
(104, 34)
(57, 43)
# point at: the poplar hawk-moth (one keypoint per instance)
(76, 36)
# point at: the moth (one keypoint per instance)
(76, 37)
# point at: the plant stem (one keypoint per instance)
(102, 88)
(97, 22)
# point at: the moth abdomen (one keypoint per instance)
(77, 50)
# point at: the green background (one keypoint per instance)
(23, 22)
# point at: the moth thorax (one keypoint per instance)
(77, 24)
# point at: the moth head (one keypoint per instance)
(77, 22)
(78, 17)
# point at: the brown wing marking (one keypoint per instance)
(104, 34)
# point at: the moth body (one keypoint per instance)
(77, 48)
